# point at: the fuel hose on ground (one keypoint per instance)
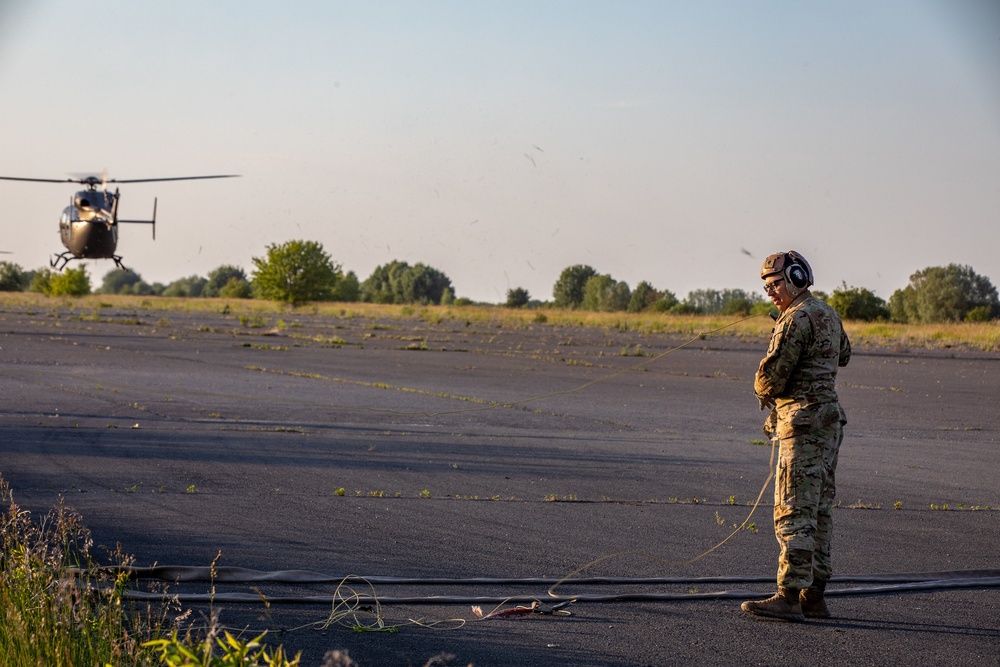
(842, 585)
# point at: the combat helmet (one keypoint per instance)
(791, 266)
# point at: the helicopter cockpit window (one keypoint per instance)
(90, 203)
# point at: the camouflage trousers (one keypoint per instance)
(804, 491)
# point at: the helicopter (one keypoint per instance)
(88, 227)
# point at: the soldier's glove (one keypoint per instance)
(766, 402)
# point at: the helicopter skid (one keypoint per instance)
(60, 261)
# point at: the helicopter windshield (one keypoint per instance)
(92, 202)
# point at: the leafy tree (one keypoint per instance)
(398, 282)
(704, 301)
(220, 277)
(517, 298)
(739, 302)
(726, 302)
(857, 303)
(425, 284)
(643, 297)
(603, 293)
(295, 272)
(71, 282)
(117, 281)
(568, 290)
(347, 289)
(943, 294)
(192, 286)
(12, 277)
(379, 287)
(665, 301)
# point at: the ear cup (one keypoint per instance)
(797, 271)
(796, 276)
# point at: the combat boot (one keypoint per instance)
(784, 605)
(813, 602)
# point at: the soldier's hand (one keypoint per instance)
(766, 402)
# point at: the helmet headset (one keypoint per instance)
(791, 266)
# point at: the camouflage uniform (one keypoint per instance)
(808, 343)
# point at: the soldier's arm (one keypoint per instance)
(845, 349)
(782, 357)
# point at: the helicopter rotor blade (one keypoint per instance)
(103, 180)
(41, 180)
(175, 178)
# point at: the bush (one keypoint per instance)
(855, 303)
(666, 301)
(117, 281)
(646, 297)
(979, 314)
(41, 281)
(739, 304)
(682, 308)
(222, 277)
(347, 289)
(236, 289)
(71, 282)
(192, 286)
(517, 298)
(398, 282)
(295, 272)
(13, 278)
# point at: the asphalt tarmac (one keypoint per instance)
(436, 448)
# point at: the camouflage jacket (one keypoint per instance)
(808, 344)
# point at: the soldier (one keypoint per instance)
(795, 382)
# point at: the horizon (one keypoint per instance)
(676, 143)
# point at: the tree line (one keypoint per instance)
(297, 272)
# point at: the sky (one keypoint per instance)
(677, 143)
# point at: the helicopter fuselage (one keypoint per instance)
(88, 228)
